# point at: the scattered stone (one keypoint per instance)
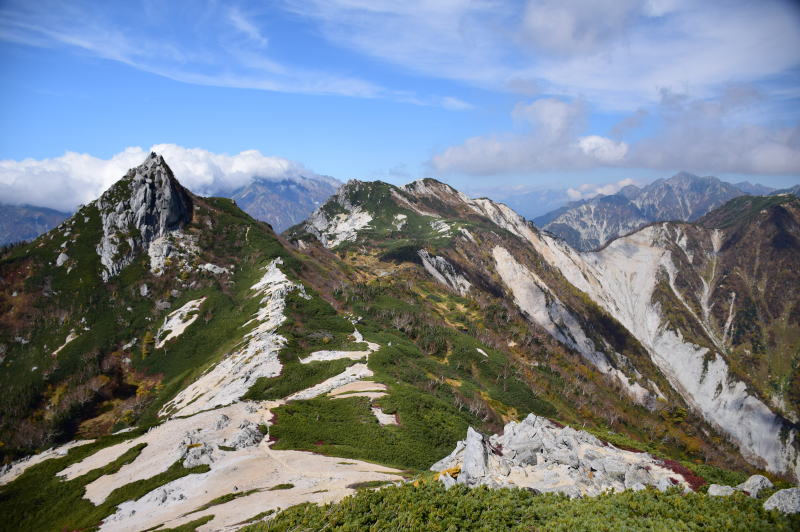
(786, 501)
(61, 259)
(474, 467)
(718, 490)
(753, 485)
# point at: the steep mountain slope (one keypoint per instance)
(715, 306)
(25, 222)
(754, 189)
(668, 285)
(283, 203)
(591, 223)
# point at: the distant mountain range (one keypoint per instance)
(24, 222)
(591, 223)
(286, 202)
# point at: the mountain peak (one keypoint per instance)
(147, 203)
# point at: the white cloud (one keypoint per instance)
(604, 150)
(709, 136)
(617, 54)
(718, 136)
(551, 143)
(455, 104)
(74, 178)
(590, 190)
(579, 26)
(246, 26)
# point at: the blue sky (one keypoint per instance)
(494, 97)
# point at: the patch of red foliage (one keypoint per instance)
(695, 481)
(319, 443)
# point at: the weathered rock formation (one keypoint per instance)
(539, 455)
(148, 203)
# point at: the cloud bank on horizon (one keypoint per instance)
(578, 85)
(64, 182)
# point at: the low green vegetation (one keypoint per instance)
(347, 428)
(222, 499)
(191, 526)
(284, 486)
(430, 507)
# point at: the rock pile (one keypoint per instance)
(539, 455)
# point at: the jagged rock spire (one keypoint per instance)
(144, 205)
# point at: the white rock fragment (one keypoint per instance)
(718, 490)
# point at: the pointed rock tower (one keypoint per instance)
(146, 204)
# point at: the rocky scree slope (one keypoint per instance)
(714, 305)
(589, 224)
(538, 455)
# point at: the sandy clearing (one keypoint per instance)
(253, 468)
(358, 386)
(178, 321)
(383, 418)
(232, 377)
(353, 373)
(168, 443)
(19, 467)
(70, 337)
(334, 355)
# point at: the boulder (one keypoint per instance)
(786, 501)
(753, 485)
(718, 490)
(474, 467)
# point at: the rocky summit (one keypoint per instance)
(139, 212)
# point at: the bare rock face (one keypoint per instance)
(718, 490)
(538, 455)
(146, 204)
(786, 501)
(753, 485)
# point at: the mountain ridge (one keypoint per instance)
(377, 332)
(588, 224)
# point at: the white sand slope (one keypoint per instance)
(17, 468)
(178, 321)
(257, 357)
(209, 424)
